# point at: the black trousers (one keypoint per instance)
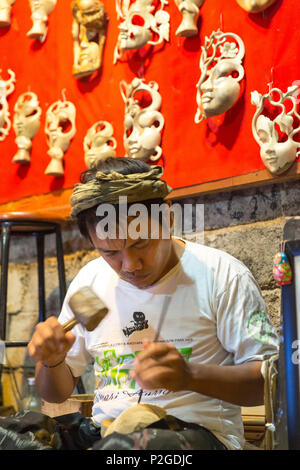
(29, 430)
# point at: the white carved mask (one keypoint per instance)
(99, 143)
(26, 124)
(5, 12)
(40, 11)
(60, 125)
(255, 6)
(138, 23)
(190, 13)
(221, 71)
(6, 88)
(277, 155)
(143, 122)
(27, 115)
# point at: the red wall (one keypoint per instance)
(192, 153)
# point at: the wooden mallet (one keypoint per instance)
(88, 310)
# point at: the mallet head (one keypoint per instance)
(88, 309)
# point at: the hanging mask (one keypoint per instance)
(143, 122)
(60, 130)
(6, 88)
(89, 34)
(278, 149)
(190, 13)
(282, 271)
(26, 124)
(99, 144)
(5, 12)
(255, 6)
(221, 71)
(140, 21)
(40, 10)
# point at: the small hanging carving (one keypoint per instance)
(40, 11)
(190, 14)
(6, 88)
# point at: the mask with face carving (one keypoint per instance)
(143, 121)
(99, 144)
(140, 21)
(26, 124)
(255, 6)
(89, 34)
(278, 149)
(60, 130)
(221, 71)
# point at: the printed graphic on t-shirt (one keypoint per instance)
(138, 323)
(113, 372)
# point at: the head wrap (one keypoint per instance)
(108, 188)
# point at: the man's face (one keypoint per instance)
(141, 262)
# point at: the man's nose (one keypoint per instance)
(130, 262)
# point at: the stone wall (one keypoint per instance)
(247, 224)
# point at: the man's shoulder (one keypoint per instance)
(215, 259)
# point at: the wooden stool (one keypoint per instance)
(37, 225)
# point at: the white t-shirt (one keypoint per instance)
(216, 315)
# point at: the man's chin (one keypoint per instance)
(138, 281)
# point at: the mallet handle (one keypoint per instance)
(69, 324)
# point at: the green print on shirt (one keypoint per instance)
(261, 329)
(112, 372)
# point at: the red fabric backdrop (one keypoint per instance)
(192, 153)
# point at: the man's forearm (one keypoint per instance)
(54, 384)
(241, 384)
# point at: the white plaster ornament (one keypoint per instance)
(143, 123)
(140, 22)
(221, 67)
(277, 154)
(40, 11)
(5, 12)
(60, 129)
(190, 14)
(99, 143)
(6, 88)
(89, 34)
(26, 124)
(255, 6)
